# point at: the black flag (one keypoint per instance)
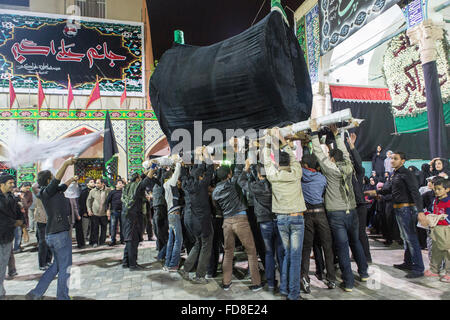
(110, 150)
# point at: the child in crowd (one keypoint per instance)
(440, 233)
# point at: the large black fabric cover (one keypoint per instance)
(256, 79)
(378, 129)
(436, 123)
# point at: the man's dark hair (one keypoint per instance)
(135, 176)
(284, 159)
(43, 177)
(337, 154)
(25, 184)
(119, 180)
(401, 154)
(4, 178)
(167, 175)
(222, 172)
(445, 183)
(260, 169)
(310, 160)
(87, 180)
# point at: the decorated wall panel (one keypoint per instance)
(404, 76)
(135, 146)
(27, 173)
(313, 42)
(55, 46)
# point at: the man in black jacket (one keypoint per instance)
(133, 197)
(57, 234)
(114, 212)
(160, 219)
(357, 182)
(200, 220)
(10, 218)
(407, 205)
(228, 197)
(85, 219)
(253, 180)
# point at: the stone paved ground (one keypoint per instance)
(98, 274)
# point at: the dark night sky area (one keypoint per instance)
(205, 22)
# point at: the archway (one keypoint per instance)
(160, 149)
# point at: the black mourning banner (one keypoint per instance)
(339, 19)
(255, 80)
(55, 47)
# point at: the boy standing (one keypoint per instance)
(441, 232)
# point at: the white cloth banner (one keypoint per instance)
(26, 149)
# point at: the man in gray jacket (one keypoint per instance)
(289, 206)
(340, 205)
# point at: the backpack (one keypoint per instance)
(129, 195)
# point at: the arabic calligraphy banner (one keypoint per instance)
(313, 43)
(339, 19)
(55, 47)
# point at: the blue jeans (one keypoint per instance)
(17, 238)
(115, 220)
(345, 229)
(61, 246)
(407, 221)
(175, 241)
(274, 246)
(291, 230)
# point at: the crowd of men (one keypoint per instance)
(278, 209)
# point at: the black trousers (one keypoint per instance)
(148, 226)
(256, 231)
(217, 246)
(97, 222)
(188, 238)
(318, 255)
(161, 226)
(317, 223)
(200, 255)
(79, 233)
(44, 252)
(361, 210)
(130, 253)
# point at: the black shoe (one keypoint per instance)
(226, 287)
(43, 268)
(319, 276)
(388, 243)
(330, 284)
(199, 280)
(30, 296)
(256, 288)
(184, 274)
(138, 266)
(125, 266)
(413, 275)
(112, 244)
(346, 289)
(13, 274)
(305, 286)
(403, 266)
